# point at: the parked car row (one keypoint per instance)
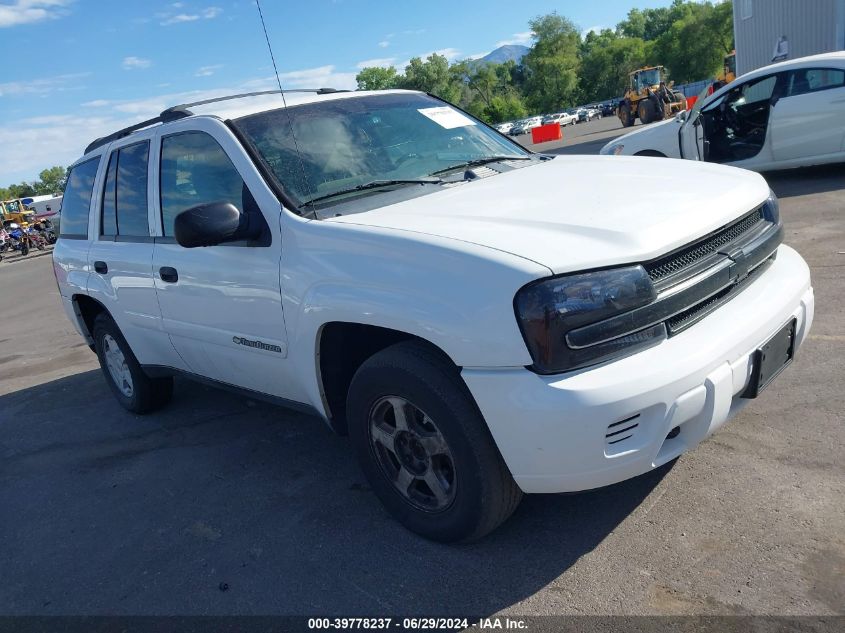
(563, 118)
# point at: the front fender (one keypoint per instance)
(468, 339)
(657, 137)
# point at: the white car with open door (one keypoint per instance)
(790, 114)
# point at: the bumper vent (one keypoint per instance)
(679, 261)
(623, 430)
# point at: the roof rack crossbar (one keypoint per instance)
(171, 114)
(181, 111)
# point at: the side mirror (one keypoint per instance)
(212, 224)
(681, 116)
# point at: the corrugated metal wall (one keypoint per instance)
(810, 26)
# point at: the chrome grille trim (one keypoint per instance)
(692, 258)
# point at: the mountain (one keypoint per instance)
(505, 53)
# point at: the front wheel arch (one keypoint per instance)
(651, 152)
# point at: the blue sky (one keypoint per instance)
(72, 70)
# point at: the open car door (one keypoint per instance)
(735, 126)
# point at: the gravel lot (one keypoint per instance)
(103, 512)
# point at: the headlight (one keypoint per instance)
(617, 149)
(548, 309)
(771, 208)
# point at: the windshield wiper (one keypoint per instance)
(478, 162)
(375, 184)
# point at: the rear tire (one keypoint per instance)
(134, 390)
(625, 116)
(410, 395)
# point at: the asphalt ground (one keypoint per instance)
(582, 138)
(217, 505)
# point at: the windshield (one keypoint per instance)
(340, 144)
(648, 78)
(12, 206)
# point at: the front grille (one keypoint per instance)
(685, 298)
(687, 256)
(692, 315)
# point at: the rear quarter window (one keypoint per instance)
(77, 199)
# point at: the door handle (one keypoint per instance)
(101, 267)
(168, 274)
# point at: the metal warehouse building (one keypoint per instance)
(773, 30)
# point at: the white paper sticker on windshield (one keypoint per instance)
(446, 117)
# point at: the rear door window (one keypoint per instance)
(124, 209)
(131, 197)
(108, 222)
(808, 80)
(77, 199)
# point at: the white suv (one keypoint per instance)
(482, 321)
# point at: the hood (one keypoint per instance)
(580, 212)
(647, 136)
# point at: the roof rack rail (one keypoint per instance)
(319, 91)
(181, 111)
(171, 114)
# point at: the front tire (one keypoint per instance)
(424, 446)
(134, 390)
(645, 110)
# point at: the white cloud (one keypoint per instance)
(320, 77)
(60, 139)
(597, 29)
(134, 63)
(29, 11)
(383, 62)
(449, 53)
(207, 71)
(523, 38)
(43, 86)
(208, 13)
(384, 44)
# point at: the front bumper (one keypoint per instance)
(560, 433)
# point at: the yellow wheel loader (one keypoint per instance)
(649, 97)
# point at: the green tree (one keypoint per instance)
(552, 64)
(490, 93)
(51, 180)
(647, 24)
(606, 64)
(22, 190)
(377, 78)
(434, 76)
(693, 46)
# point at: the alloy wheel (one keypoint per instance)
(412, 453)
(116, 364)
